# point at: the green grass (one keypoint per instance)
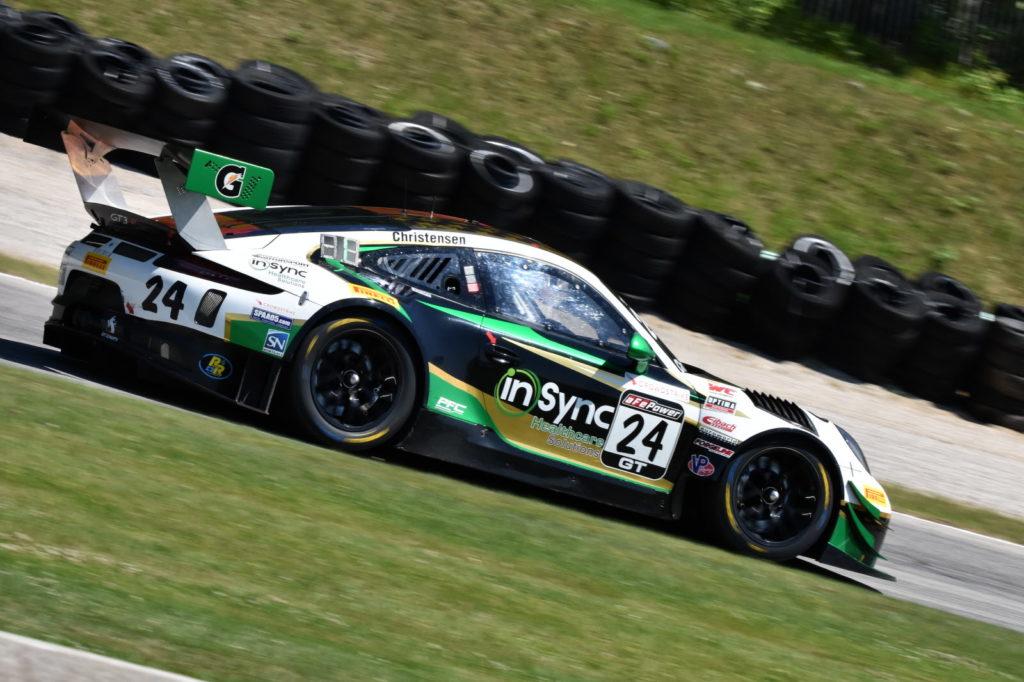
(956, 514)
(208, 548)
(36, 272)
(903, 168)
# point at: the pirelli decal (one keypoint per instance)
(95, 262)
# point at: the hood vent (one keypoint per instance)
(783, 409)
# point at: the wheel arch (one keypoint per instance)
(371, 309)
(835, 477)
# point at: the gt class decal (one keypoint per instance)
(643, 435)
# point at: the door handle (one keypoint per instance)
(500, 355)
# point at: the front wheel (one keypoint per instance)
(774, 501)
(353, 383)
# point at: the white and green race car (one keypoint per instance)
(372, 328)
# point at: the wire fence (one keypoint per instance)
(993, 28)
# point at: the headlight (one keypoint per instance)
(856, 448)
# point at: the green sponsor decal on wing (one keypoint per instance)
(231, 180)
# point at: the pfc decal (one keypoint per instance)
(374, 294)
(874, 495)
(95, 262)
(700, 465)
(715, 403)
(215, 366)
(282, 269)
(714, 447)
(271, 318)
(643, 435)
(716, 423)
(724, 390)
(276, 342)
(446, 405)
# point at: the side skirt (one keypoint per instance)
(449, 440)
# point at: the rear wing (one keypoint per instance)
(188, 175)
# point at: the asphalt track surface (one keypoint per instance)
(935, 565)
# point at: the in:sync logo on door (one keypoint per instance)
(520, 391)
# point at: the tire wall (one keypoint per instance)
(705, 270)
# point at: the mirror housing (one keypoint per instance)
(640, 352)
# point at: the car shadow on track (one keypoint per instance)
(105, 372)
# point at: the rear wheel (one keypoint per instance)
(353, 383)
(774, 501)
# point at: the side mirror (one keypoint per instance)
(640, 352)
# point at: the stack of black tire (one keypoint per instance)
(343, 155)
(37, 54)
(937, 362)
(572, 215)
(881, 321)
(112, 82)
(266, 120)
(496, 189)
(190, 94)
(799, 296)
(715, 275)
(420, 169)
(997, 389)
(648, 232)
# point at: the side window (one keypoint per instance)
(445, 271)
(551, 299)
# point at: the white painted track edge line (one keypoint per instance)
(961, 530)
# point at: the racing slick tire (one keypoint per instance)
(353, 383)
(774, 501)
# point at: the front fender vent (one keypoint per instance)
(783, 409)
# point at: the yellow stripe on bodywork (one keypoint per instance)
(516, 431)
(595, 373)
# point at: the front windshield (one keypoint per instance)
(553, 299)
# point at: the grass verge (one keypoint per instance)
(955, 514)
(789, 140)
(36, 272)
(167, 538)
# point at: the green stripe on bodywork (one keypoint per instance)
(341, 268)
(252, 334)
(521, 332)
(473, 411)
(476, 413)
(368, 249)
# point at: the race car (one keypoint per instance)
(377, 328)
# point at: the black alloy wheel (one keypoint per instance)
(775, 501)
(354, 383)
